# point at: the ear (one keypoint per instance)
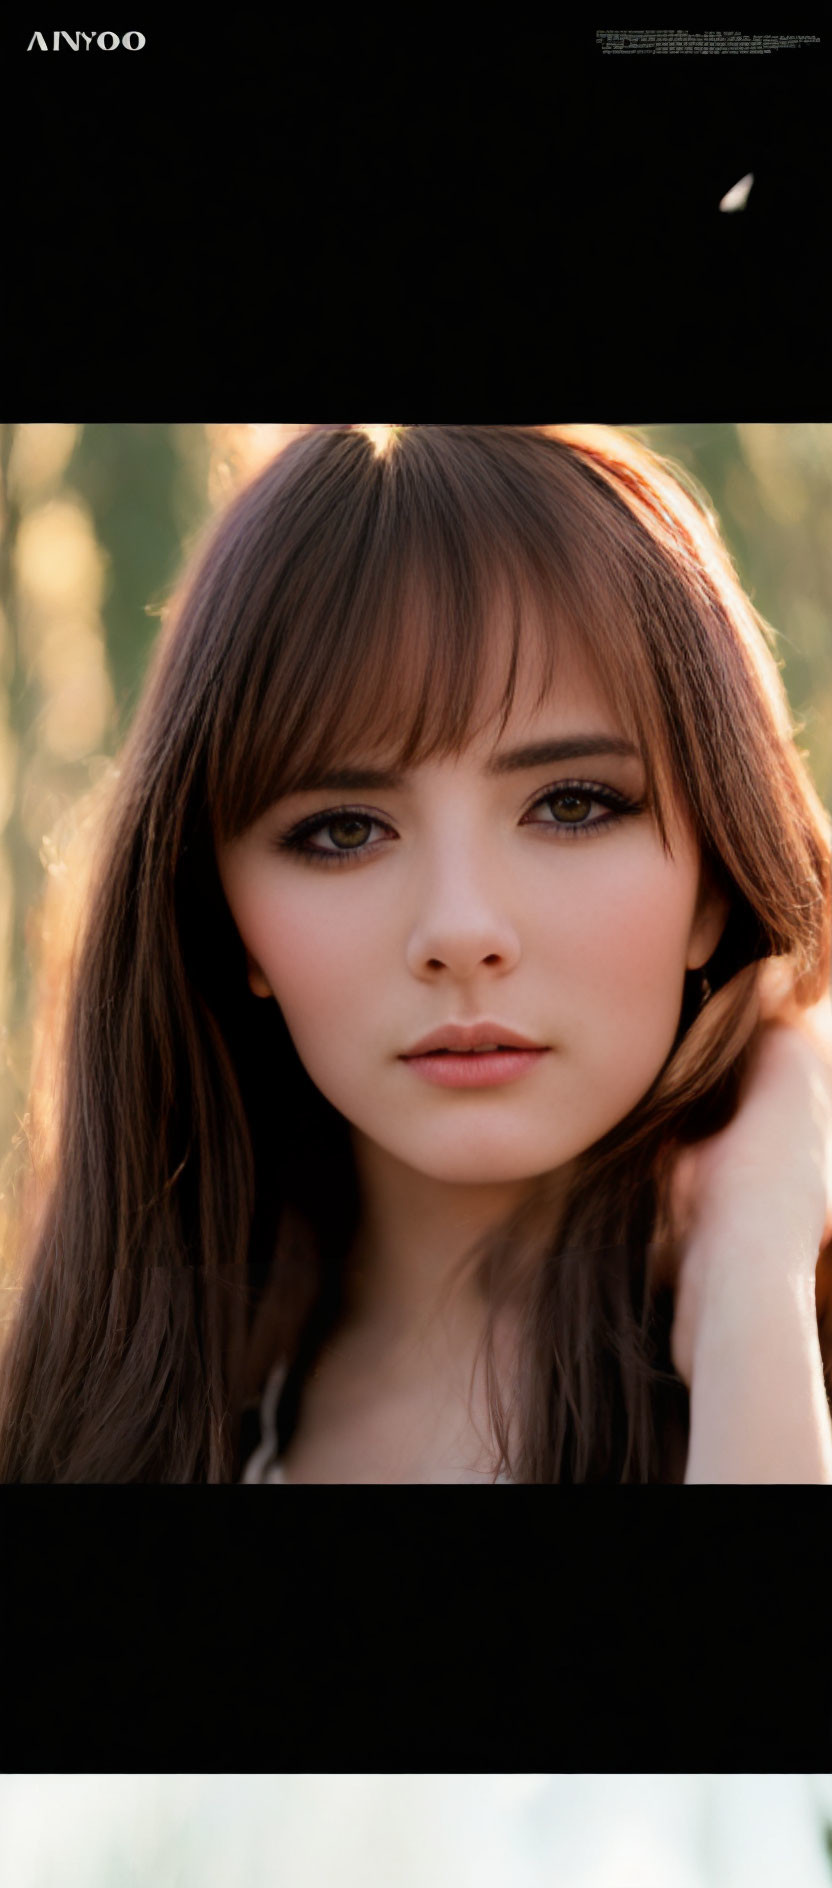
(709, 921)
(256, 980)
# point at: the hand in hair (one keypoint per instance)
(752, 1208)
(770, 1167)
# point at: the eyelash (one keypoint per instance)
(619, 807)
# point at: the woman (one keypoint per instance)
(422, 1064)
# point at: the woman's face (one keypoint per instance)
(519, 887)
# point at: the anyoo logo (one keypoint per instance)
(107, 41)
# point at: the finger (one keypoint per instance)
(775, 986)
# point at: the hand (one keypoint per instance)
(758, 1195)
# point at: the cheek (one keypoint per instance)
(618, 956)
(314, 963)
(627, 929)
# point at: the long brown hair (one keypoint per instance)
(341, 603)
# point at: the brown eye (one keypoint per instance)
(332, 838)
(349, 831)
(570, 808)
(579, 806)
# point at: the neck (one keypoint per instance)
(406, 1272)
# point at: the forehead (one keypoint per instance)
(560, 690)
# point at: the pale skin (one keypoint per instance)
(754, 1206)
(467, 896)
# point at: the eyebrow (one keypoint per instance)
(511, 760)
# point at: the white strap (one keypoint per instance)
(266, 1452)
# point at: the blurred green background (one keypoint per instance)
(96, 521)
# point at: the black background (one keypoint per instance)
(261, 211)
(416, 1629)
(738, 299)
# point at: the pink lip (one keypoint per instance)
(457, 1069)
(465, 1036)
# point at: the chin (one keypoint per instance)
(485, 1166)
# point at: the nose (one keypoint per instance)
(461, 930)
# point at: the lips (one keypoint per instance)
(477, 1056)
(467, 1038)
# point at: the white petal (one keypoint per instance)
(737, 197)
